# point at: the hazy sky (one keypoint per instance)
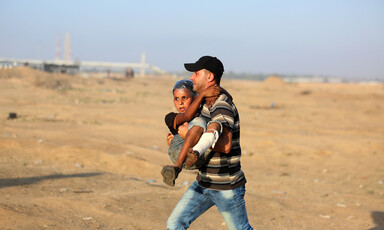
(342, 38)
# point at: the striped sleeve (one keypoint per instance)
(222, 112)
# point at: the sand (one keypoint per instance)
(87, 153)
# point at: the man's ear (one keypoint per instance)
(211, 77)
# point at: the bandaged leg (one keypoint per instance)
(207, 140)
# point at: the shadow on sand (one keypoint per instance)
(378, 218)
(9, 182)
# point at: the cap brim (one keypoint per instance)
(192, 67)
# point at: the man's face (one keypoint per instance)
(200, 80)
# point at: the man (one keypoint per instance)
(221, 181)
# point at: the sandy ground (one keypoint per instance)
(87, 153)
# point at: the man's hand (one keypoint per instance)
(192, 157)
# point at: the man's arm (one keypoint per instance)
(224, 144)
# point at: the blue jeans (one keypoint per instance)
(197, 200)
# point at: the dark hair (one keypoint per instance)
(184, 84)
(217, 77)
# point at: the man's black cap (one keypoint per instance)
(209, 63)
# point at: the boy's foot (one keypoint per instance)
(170, 174)
(192, 157)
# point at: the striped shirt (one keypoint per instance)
(223, 171)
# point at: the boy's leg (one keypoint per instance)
(208, 140)
(170, 173)
(175, 148)
(196, 128)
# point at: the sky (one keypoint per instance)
(338, 38)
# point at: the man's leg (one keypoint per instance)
(191, 206)
(231, 205)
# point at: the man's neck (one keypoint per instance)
(210, 100)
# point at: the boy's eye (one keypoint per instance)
(185, 98)
(176, 98)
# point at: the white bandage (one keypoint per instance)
(207, 140)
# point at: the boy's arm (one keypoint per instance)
(189, 113)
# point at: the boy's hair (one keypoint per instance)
(184, 84)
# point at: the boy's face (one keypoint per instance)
(182, 98)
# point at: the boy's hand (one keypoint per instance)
(169, 138)
(213, 91)
(183, 129)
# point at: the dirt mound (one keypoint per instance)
(274, 81)
(37, 78)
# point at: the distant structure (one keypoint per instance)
(67, 48)
(142, 71)
(66, 65)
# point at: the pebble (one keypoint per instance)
(279, 193)
(154, 147)
(341, 205)
(361, 186)
(325, 195)
(87, 218)
(325, 216)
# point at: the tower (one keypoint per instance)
(142, 71)
(67, 48)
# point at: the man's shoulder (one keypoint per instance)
(223, 100)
